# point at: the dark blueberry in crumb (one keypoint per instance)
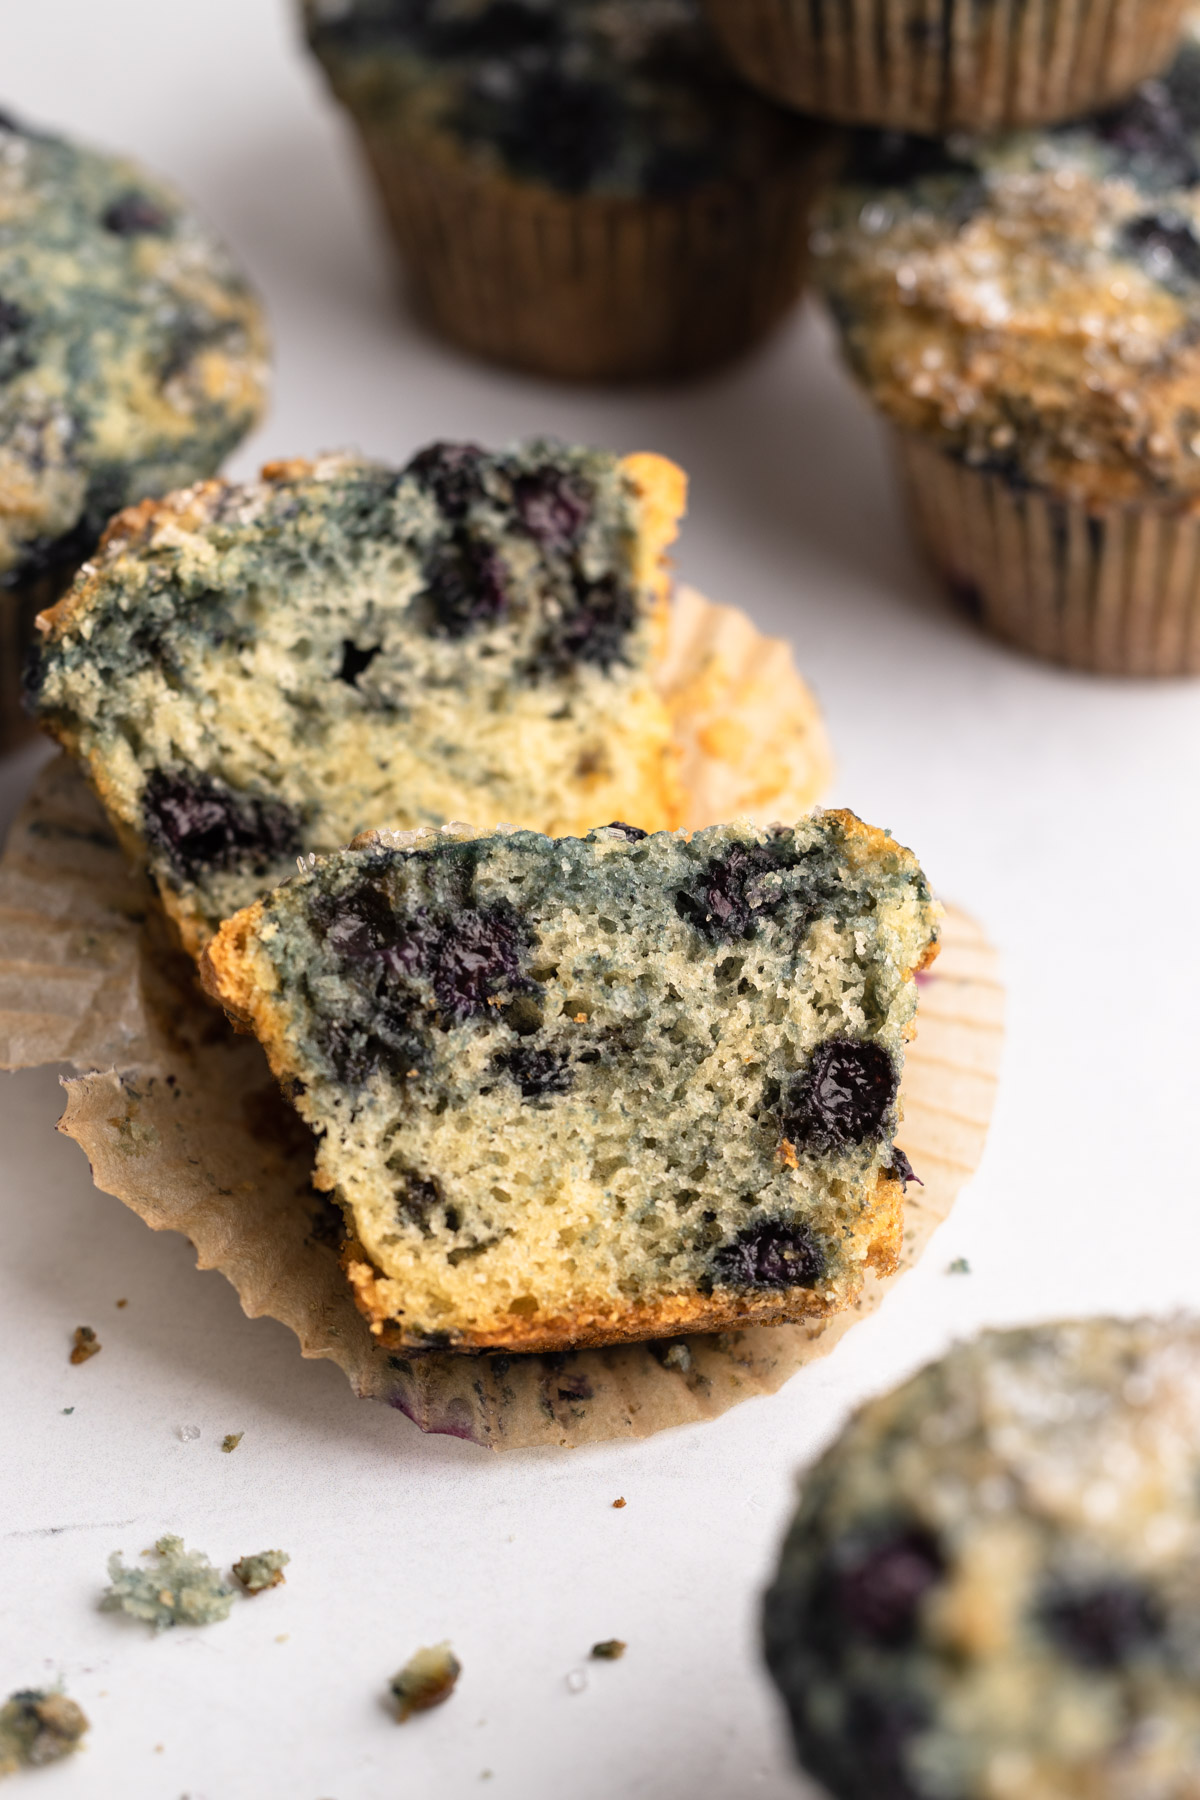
(593, 627)
(878, 1729)
(727, 904)
(452, 473)
(538, 1072)
(771, 1255)
(1166, 248)
(13, 318)
(476, 953)
(134, 215)
(356, 662)
(900, 1169)
(553, 127)
(634, 833)
(1152, 137)
(504, 28)
(200, 824)
(1101, 1627)
(878, 1595)
(417, 1196)
(575, 1387)
(465, 586)
(552, 507)
(845, 1097)
(899, 158)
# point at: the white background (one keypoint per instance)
(1061, 810)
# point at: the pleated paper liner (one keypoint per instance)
(183, 1121)
(1114, 592)
(943, 65)
(593, 287)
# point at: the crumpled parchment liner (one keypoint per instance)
(185, 1124)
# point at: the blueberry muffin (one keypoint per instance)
(580, 1090)
(132, 360)
(248, 673)
(910, 66)
(991, 1589)
(578, 187)
(1025, 312)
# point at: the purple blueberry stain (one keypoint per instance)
(729, 902)
(1102, 1627)
(878, 1595)
(466, 587)
(453, 474)
(200, 825)
(552, 507)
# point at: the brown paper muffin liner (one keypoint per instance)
(941, 65)
(587, 287)
(182, 1121)
(1115, 591)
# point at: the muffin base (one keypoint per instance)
(932, 67)
(1113, 590)
(589, 288)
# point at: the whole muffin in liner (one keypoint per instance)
(914, 67)
(133, 359)
(1025, 312)
(583, 191)
(181, 1119)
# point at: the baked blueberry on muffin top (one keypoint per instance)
(592, 96)
(1030, 304)
(132, 351)
(580, 1090)
(250, 672)
(991, 1589)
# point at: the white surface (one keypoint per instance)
(1061, 810)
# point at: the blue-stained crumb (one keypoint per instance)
(180, 1588)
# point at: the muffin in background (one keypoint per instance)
(910, 67)
(991, 1588)
(577, 187)
(1025, 312)
(133, 358)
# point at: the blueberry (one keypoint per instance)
(727, 905)
(844, 1098)
(592, 627)
(355, 662)
(134, 215)
(200, 824)
(504, 28)
(552, 507)
(1165, 247)
(878, 1595)
(417, 1196)
(13, 318)
(453, 475)
(1102, 1627)
(476, 953)
(901, 1170)
(634, 833)
(770, 1255)
(551, 126)
(465, 587)
(1152, 138)
(538, 1072)
(878, 1729)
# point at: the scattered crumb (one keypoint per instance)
(38, 1727)
(159, 1748)
(283, 1637)
(426, 1680)
(485, 1774)
(620, 1502)
(68, 1409)
(608, 1650)
(231, 1440)
(576, 1681)
(184, 1588)
(265, 1570)
(960, 1266)
(122, 1303)
(187, 1434)
(677, 1356)
(84, 1344)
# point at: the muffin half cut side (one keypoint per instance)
(249, 673)
(587, 1090)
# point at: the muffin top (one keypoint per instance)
(626, 98)
(1032, 302)
(992, 1585)
(132, 351)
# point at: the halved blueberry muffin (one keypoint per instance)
(991, 1589)
(248, 673)
(133, 358)
(583, 189)
(581, 1090)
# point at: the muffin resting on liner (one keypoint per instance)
(133, 358)
(583, 190)
(913, 67)
(1025, 311)
(991, 1588)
